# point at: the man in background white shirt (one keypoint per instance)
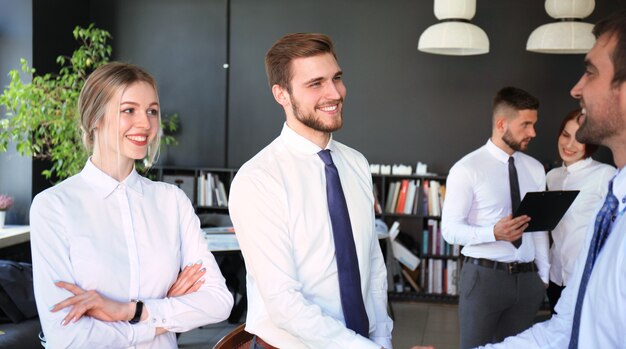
(279, 208)
(502, 286)
(602, 94)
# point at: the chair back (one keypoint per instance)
(236, 339)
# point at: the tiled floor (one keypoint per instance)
(425, 324)
(415, 323)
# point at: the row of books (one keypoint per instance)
(403, 197)
(434, 195)
(434, 244)
(211, 190)
(440, 276)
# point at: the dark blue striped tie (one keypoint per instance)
(347, 262)
(605, 217)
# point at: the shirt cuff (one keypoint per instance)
(155, 317)
(486, 234)
(142, 332)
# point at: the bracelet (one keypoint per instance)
(138, 310)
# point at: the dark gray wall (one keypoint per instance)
(183, 44)
(15, 42)
(402, 106)
(53, 23)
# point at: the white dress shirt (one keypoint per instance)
(478, 196)
(603, 316)
(280, 213)
(127, 240)
(591, 178)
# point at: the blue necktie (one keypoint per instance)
(347, 263)
(605, 217)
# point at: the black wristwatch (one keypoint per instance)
(138, 310)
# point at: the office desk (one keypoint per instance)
(223, 244)
(14, 234)
(221, 239)
(217, 240)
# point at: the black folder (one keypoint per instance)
(545, 208)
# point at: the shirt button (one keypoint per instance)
(153, 320)
(624, 200)
(164, 321)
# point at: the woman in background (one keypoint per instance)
(108, 245)
(579, 172)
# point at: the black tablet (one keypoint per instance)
(545, 208)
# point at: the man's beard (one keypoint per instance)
(507, 138)
(596, 127)
(312, 121)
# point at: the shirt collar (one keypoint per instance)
(578, 165)
(301, 144)
(104, 184)
(498, 153)
(619, 186)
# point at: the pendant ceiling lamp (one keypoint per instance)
(569, 34)
(454, 35)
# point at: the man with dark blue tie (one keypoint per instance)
(303, 211)
(592, 309)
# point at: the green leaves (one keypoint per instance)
(41, 118)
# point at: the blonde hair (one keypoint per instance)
(100, 87)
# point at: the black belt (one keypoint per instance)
(511, 268)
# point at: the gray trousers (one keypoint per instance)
(494, 304)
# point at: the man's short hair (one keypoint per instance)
(615, 25)
(513, 99)
(286, 49)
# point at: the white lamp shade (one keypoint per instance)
(562, 38)
(459, 9)
(569, 8)
(454, 38)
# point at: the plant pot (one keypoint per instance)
(2, 216)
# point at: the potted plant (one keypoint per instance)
(41, 116)
(5, 202)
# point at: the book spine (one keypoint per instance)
(404, 186)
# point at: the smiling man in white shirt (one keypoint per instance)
(502, 285)
(279, 208)
(600, 321)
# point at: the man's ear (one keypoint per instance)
(281, 95)
(501, 123)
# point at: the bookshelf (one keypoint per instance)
(415, 202)
(206, 187)
(419, 224)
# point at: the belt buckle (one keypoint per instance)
(513, 268)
